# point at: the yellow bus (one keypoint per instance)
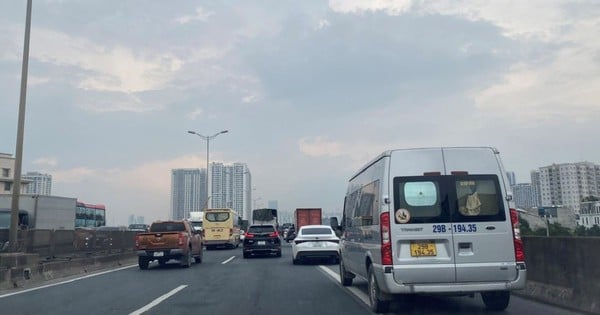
(221, 228)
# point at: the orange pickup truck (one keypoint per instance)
(168, 240)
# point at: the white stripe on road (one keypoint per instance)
(67, 281)
(228, 260)
(354, 290)
(158, 300)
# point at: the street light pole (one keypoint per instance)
(14, 213)
(207, 139)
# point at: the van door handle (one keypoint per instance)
(490, 227)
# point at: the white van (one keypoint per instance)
(432, 221)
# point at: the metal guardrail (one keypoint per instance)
(65, 242)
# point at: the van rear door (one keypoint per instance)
(422, 242)
(483, 240)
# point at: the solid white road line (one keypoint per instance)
(354, 290)
(158, 300)
(67, 281)
(228, 260)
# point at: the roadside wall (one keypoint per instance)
(564, 271)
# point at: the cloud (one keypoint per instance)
(320, 146)
(73, 175)
(112, 69)
(323, 23)
(392, 7)
(46, 161)
(201, 15)
(195, 114)
(249, 99)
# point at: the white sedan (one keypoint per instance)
(315, 242)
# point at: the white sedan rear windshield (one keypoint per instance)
(316, 231)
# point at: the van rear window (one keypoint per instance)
(449, 198)
(217, 216)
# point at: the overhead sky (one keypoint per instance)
(309, 90)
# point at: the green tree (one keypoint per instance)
(581, 230)
(558, 230)
(594, 230)
(525, 227)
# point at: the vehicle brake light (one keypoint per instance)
(249, 235)
(137, 242)
(459, 173)
(181, 239)
(519, 251)
(230, 232)
(386, 244)
(274, 234)
(432, 174)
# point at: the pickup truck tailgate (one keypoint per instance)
(158, 240)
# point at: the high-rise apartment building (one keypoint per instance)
(524, 195)
(535, 183)
(512, 180)
(567, 184)
(188, 192)
(40, 184)
(231, 187)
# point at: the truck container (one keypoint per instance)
(307, 216)
(196, 218)
(40, 212)
(265, 217)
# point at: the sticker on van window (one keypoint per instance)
(402, 216)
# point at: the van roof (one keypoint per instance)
(389, 153)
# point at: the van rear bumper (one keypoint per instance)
(387, 284)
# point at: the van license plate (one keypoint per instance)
(421, 249)
(158, 254)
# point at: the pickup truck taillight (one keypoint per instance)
(137, 242)
(230, 232)
(181, 239)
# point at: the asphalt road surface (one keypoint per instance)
(225, 283)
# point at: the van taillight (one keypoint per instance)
(181, 239)
(386, 244)
(519, 252)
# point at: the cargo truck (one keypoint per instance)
(307, 216)
(40, 212)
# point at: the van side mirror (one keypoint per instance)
(333, 222)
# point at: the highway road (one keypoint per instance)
(225, 283)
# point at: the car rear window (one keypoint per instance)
(217, 216)
(261, 229)
(316, 231)
(167, 227)
(451, 198)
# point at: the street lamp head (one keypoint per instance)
(224, 131)
(192, 132)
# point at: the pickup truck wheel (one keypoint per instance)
(198, 259)
(186, 261)
(143, 263)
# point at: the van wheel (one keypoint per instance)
(377, 304)
(496, 300)
(143, 263)
(345, 277)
